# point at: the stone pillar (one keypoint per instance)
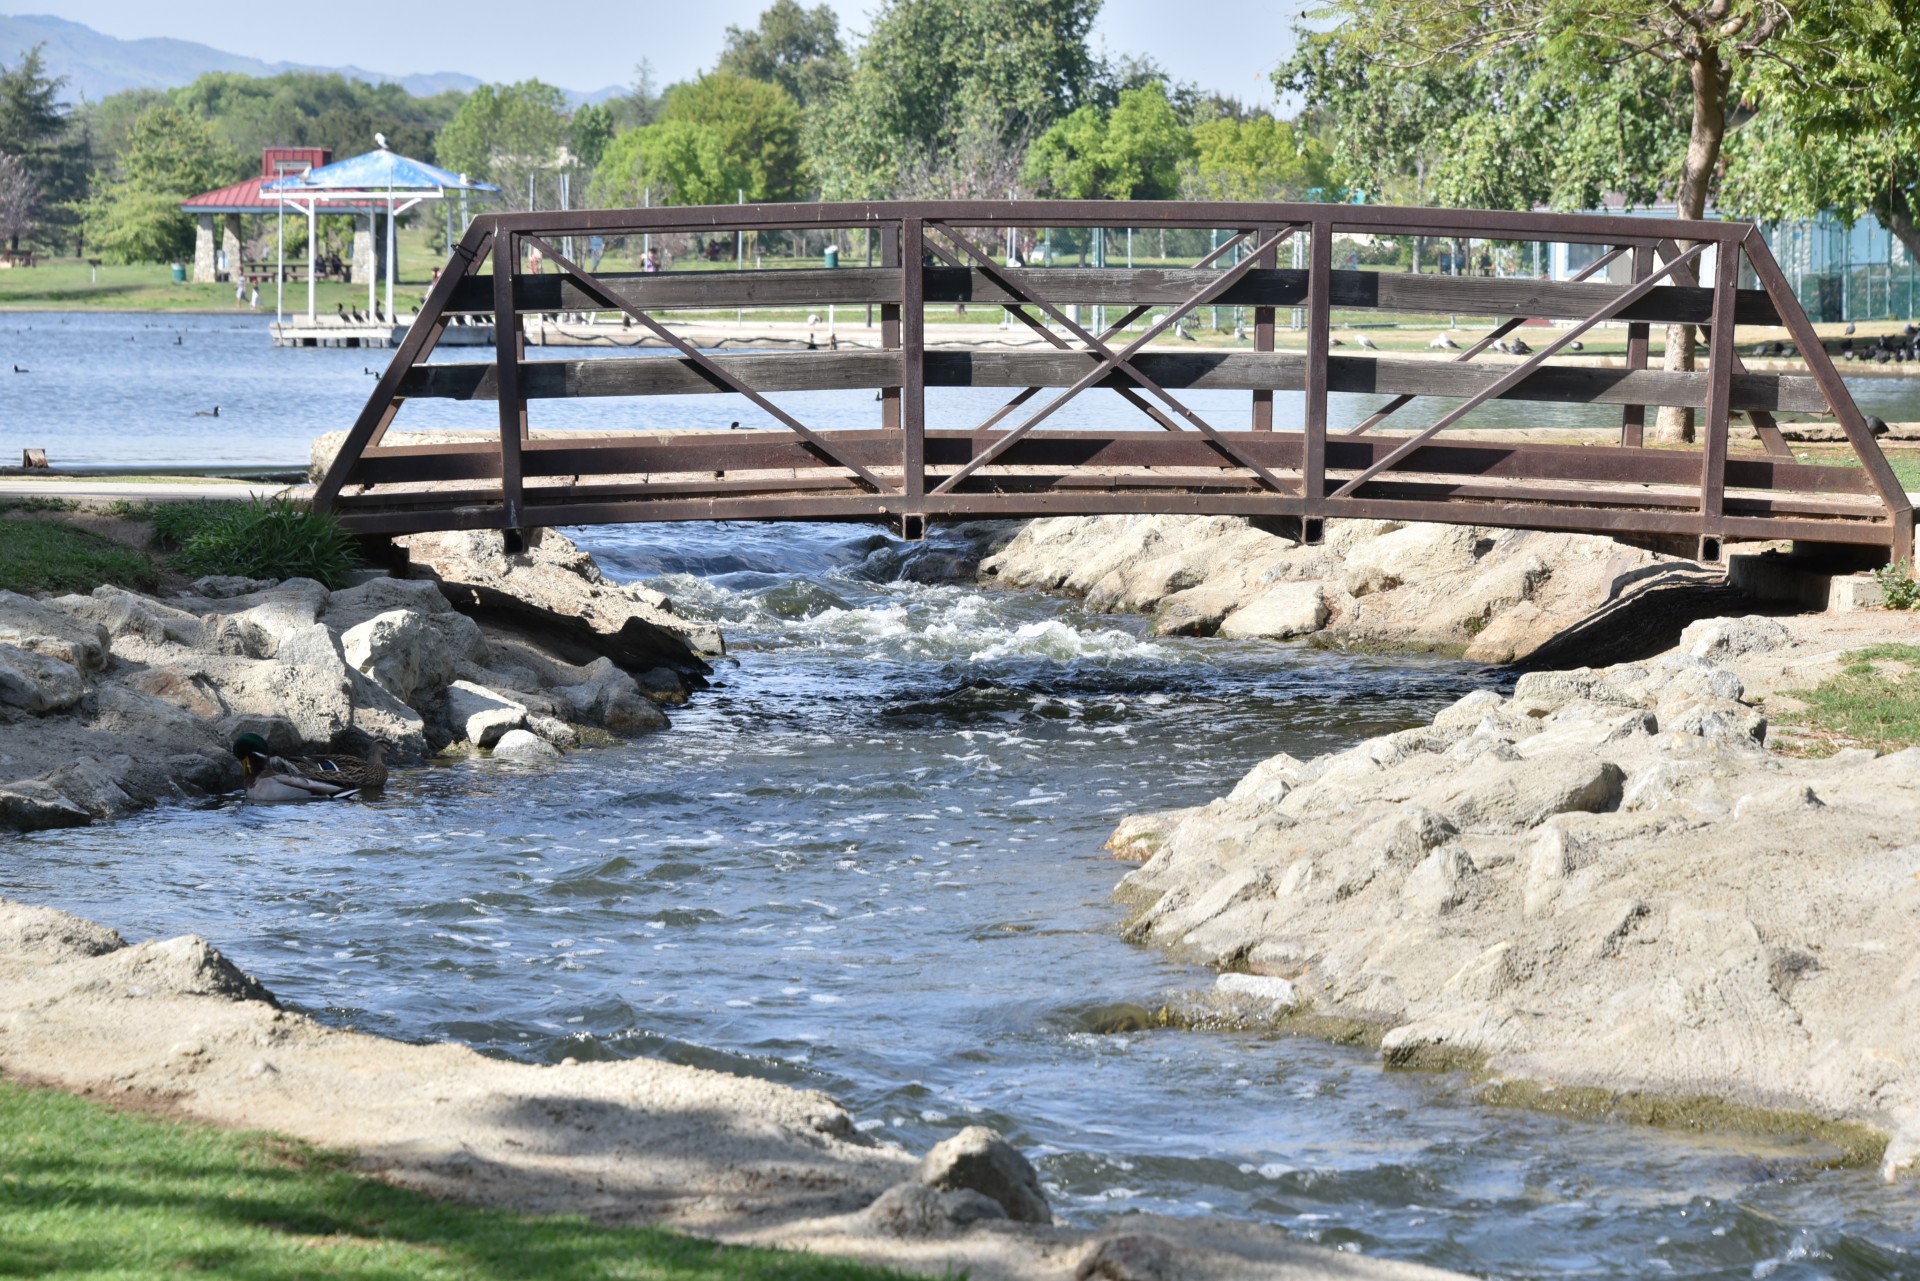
(203, 270)
(230, 241)
(369, 248)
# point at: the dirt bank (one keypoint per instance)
(1605, 884)
(172, 1026)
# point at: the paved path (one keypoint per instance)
(167, 490)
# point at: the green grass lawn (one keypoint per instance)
(52, 556)
(1874, 702)
(89, 1192)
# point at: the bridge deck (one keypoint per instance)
(1015, 463)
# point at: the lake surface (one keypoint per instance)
(126, 389)
(867, 860)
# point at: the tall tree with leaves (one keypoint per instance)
(170, 157)
(718, 137)
(798, 49)
(512, 136)
(1838, 120)
(36, 129)
(1536, 47)
(1133, 152)
(935, 72)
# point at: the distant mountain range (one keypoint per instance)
(96, 65)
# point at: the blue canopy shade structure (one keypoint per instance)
(365, 183)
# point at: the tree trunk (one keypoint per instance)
(1710, 75)
(1895, 212)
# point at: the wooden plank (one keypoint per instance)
(1151, 286)
(711, 451)
(1228, 371)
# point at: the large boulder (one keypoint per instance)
(31, 625)
(1282, 612)
(555, 586)
(402, 652)
(611, 699)
(481, 716)
(36, 682)
(979, 1160)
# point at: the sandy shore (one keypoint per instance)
(171, 1026)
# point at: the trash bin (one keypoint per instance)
(832, 255)
(179, 273)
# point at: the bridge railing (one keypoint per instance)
(1170, 457)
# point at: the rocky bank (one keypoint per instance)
(1493, 595)
(112, 701)
(1603, 892)
(172, 1026)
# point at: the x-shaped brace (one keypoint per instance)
(607, 298)
(1112, 360)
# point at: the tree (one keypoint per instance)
(933, 72)
(510, 135)
(18, 196)
(591, 129)
(37, 130)
(1838, 123)
(1133, 152)
(795, 48)
(170, 157)
(1255, 158)
(314, 109)
(717, 137)
(1579, 45)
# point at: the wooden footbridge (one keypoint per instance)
(1161, 456)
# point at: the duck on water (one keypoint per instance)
(275, 780)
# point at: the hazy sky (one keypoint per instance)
(1222, 46)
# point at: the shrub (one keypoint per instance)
(176, 524)
(277, 538)
(1897, 585)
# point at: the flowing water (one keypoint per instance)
(867, 860)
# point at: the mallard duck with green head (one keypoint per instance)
(274, 779)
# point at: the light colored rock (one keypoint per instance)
(1282, 612)
(1271, 993)
(979, 1160)
(41, 629)
(402, 652)
(556, 587)
(481, 716)
(31, 806)
(1723, 638)
(1440, 882)
(520, 744)
(36, 682)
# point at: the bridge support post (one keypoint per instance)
(509, 348)
(1313, 455)
(890, 325)
(1633, 419)
(1263, 337)
(1713, 465)
(913, 373)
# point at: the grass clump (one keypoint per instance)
(1897, 586)
(88, 1192)
(1874, 701)
(276, 538)
(176, 524)
(52, 556)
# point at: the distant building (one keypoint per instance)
(224, 207)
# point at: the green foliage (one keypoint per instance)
(934, 72)
(591, 129)
(37, 128)
(717, 136)
(1133, 152)
(49, 556)
(88, 1192)
(176, 524)
(1873, 702)
(1839, 120)
(798, 49)
(274, 539)
(509, 135)
(1253, 158)
(1897, 585)
(170, 157)
(313, 109)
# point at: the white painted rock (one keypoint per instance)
(520, 744)
(481, 716)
